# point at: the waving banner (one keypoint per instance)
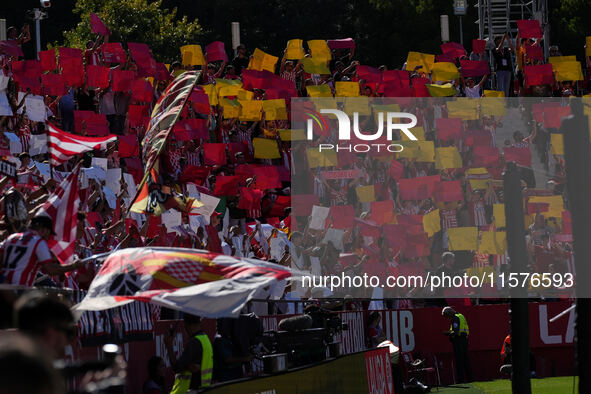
(193, 281)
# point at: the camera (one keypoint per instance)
(45, 3)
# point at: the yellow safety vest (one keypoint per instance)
(463, 325)
(182, 381)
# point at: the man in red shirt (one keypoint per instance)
(214, 244)
(23, 254)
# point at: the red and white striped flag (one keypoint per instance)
(62, 206)
(63, 146)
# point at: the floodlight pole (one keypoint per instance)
(578, 182)
(519, 309)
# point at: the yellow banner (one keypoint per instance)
(265, 148)
(445, 90)
(315, 66)
(556, 144)
(447, 157)
(357, 104)
(245, 95)
(365, 193)
(465, 108)
(227, 87)
(568, 71)
(319, 91)
(415, 59)
(478, 183)
(499, 215)
(417, 131)
(493, 93)
(231, 108)
(556, 205)
(320, 50)
(432, 222)
(275, 109)
(326, 158)
(493, 106)
(192, 55)
(295, 49)
(444, 71)
(588, 46)
(347, 89)
(251, 110)
(292, 135)
(262, 61)
(493, 242)
(212, 94)
(463, 238)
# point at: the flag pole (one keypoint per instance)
(49, 152)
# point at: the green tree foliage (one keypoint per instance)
(136, 21)
(569, 22)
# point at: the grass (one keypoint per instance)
(560, 385)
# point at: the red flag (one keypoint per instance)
(448, 191)
(48, 60)
(226, 185)
(97, 76)
(396, 170)
(540, 74)
(91, 123)
(529, 29)
(477, 138)
(301, 204)
(418, 188)
(62, 206)
(63, 146)
(136, 113)
(521, 156)
(534, 52)
(191, 129)
(53, 84)
(343, 43)
(395, 234)
(368, 229)
(486, 156)
(98, 26)
(537, 207)
(382, 211)
(27, 73)
(200, 102)
(72, 70)
(128, 146)
(250, 198)
(216, 51)
(68, 53)
(121, 80)
(113, 52)
(454, 49)
(194, 174)
(253, 79)
(553, 116)
(478, 46)
(142, 91)
(343, 216)
(448, 128)
(161, 72)
(214, 154)
(369, 74)
(278, 208)
(474, 68)
(445, 58)
(410, 220)
(567, 226)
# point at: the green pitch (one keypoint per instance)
(560, 385)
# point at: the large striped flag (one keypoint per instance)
(62, 206)
(63, 146)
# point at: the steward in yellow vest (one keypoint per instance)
(194, 368)
(458, 335)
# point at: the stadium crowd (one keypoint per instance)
(232, 151)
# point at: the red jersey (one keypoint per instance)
(213, 239)
(23, 254)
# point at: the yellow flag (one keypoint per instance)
(493, 242)
(320, 49)
(231, 108)
(588, 48)
(444, 71)
(212, 94)
(245, 95)
(558, 59)
(493, 106)
(319, 91)
(556, 144)
(445, 90)
(568, 71)
(275, 109)
(192, 55)
(365, 193)
(410, 151)
(448, 157)
(295, 49)
(326, 158)
(478, 183)
(556, 205)
(315, 66)
(493, 93)
(426, 151)
(464, 108)
(265, 148)
(292, 135)
(499, 215)
(432, 222)
(227, 87)
(417, 131)
(463, 238)
(251, 110)
(347, 89)
(262, 61)
(425, 60)
(357, 104)
(384, 109)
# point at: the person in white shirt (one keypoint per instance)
(471, 89)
